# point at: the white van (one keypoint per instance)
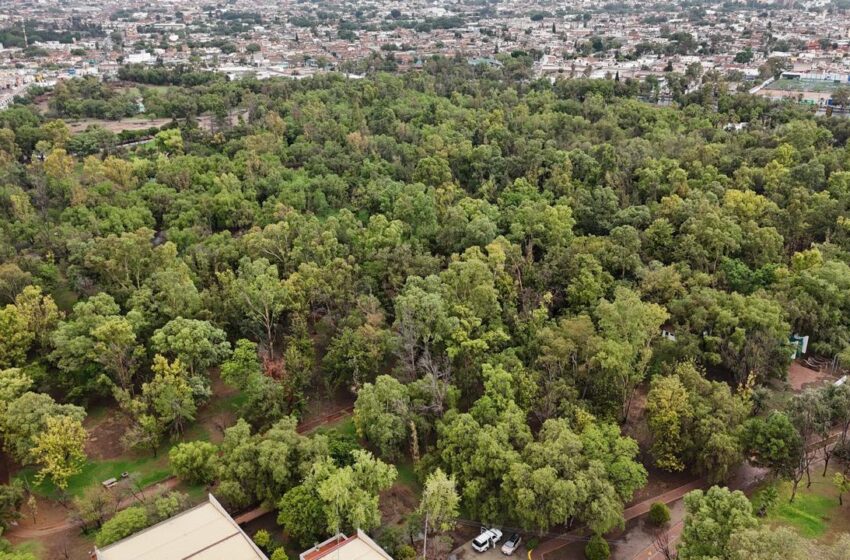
(487, 538)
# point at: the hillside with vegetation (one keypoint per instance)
(537, 296)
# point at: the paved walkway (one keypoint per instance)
(651, 552)
(630, 513)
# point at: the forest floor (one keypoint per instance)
(801, 377)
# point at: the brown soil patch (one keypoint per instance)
(116, 126)
(105, 436)
(212, 417)
(635, 425)
(319, 406)
(48, 513)
(395, 503)
(801, 377)
(69, 546)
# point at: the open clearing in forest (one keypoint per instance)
(815, 512)
(132, 123)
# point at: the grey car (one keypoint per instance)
(511, 545)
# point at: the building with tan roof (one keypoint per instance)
(205, 532)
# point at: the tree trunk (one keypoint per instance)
(796, 481)
(425, 539)
(827, 455)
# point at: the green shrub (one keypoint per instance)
(659, 514)
(194, 461)
(125, 523)
(279, 554)
(262, 539)
(597, 548)
(532, 543)
(405, 552)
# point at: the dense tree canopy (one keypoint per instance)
(490, 266)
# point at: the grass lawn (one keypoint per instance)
(407, 476)
(814, 513)
(148, 470)
(35, 548)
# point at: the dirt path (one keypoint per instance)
(316, 423)
(29, 533)
(746, 479)
(17, 534)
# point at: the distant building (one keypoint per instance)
(140, 58)
(205, 532)
(485, 61)
(340, 547)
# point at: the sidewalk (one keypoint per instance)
(630, 513)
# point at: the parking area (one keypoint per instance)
(466, 552)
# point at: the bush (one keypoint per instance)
(532, 543)
(168, 505)
(597, 548)
(125, 523)
(193, 462)
(262, 539)
(279, 554)
(405, 552)
(659, 514)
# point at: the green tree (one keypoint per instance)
(169, 142)
(11, 499)
(694, 422)
(382, 414)
(350, 494)
(197, 344)
(168, 397)
(627, 327)
(439, 506)
(122, 525)
(773, 443)
(27, 417)
(659, 514)
(194, 461)
(267, 399)
(301, 514)
(597, 548)
(40, 312)
(60, 450)
(95, 506)
(259, 296)
(15, 337)
(766, 543)
(667, 409)
(711, 518)
(94, 337)
(842, 483)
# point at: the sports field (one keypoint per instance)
(816, 86)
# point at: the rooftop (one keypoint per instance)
(205, 532)
(340, 547)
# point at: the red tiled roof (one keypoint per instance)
(323, 550)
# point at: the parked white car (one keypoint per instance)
(511, 545)
(488, 538)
